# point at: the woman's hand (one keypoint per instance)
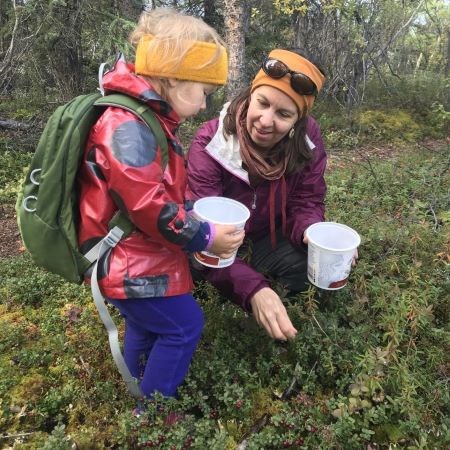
(227, 240)
(271, 314)
(355, 258)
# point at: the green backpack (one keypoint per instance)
(47, 204)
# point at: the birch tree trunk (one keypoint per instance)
(447, 65)
(235, 14)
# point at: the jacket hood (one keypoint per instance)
(226, 151)
(122, 78)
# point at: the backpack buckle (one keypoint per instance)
(113, 237)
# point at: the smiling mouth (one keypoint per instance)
(262, 132)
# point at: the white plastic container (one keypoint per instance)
(222, 211)
(331, 249)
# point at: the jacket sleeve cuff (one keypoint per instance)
(201, 239)
(238, 282)
(212, 235)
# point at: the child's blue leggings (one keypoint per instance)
(161, 335)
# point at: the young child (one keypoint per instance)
(179, 61)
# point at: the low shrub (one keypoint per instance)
(416, 93)
(11, 174)
(389, 126)
(368, 369)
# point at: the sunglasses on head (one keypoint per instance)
(300, 82)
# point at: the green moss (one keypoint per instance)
(374, 353)
(390, 126)
(31, 388)
(263, 403)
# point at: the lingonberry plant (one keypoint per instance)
(369, 368)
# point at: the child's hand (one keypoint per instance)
(227, 240)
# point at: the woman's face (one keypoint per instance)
(188, 98)
(271, 115)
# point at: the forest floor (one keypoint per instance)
(11, 244)
(370, 357)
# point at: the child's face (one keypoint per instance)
(187, 98)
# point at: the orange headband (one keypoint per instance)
(296, 63)
(200, 62)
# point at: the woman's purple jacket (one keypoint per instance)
(216, 173)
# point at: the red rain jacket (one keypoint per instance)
(122, 168)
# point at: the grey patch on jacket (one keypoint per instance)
(151, 286)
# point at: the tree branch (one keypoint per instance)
(9, 52)
(13, 125)
(405, 25)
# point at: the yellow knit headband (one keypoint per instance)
(296, 63)
(200, 63)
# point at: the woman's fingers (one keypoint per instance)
(355, 258)
(271, 314)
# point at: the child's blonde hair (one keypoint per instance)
(174, 34)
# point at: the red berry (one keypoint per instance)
(239, 403)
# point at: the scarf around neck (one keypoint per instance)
(270, 166)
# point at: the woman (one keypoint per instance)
(266, 151)
(179, 61)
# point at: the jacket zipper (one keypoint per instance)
(254, 199)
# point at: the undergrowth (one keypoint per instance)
(369, 368)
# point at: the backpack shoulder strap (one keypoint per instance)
(144, 112)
